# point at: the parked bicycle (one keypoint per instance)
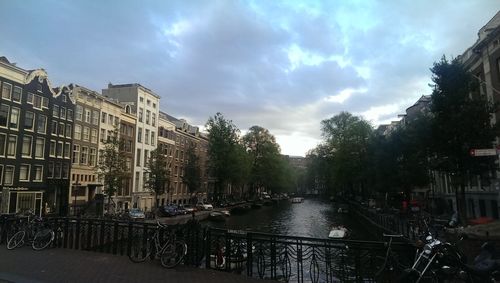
(392, 266)
(33, 230)
(171, 252)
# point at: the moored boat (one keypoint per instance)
(297, 200)
(338, 232)
(217, 216)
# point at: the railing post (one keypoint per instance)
(77, 234)
(228, 251)
(249, 255)
(208, 248)
(89, 235)
(273, 258)
(101, 236)
(115, 237)
(129, 238)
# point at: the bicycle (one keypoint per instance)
(171, 253)
(391, 267)
(40, 235)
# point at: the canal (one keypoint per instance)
(311, 218)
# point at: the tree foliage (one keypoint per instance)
(158, 174)
(112, 166)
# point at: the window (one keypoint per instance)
(141, 99)
(110, 135)
(16, 94)
(55, 111)
(92, 156)
(148, 114)
(68, 130)
(39, 87)
(45, 102)
(63, 113)
(38, 173)
(138, 158)
(76, 153)
(54, 127)
(29, 121)
(87, 115)
(50, 170)
(4, 115)
(103, 135)
(61, 129)
(146, 153)
(153, 120)
(78, 132)
(14, 118)
(86, 133)
(93, 136)
(110, 119)
(139, 135)
(84, 155)
(1, 174)
(140, 114)
(148, 102)
(11, 146)
(137, 178)
(69, 115)
(65, 171)
(64, 98)
(103, 117)
(6, 90)
(3, 139)
(67, 147)
(39, 148)
(8, 178)
(38, 102)
(27, 146)
(41, 124)
(24, 173)
(59, 149)
(95, 117)
(29, 98)
(117, 121)
(52, 150)
(79, 113)
(154, 105)
(57, 170)
(146, 137)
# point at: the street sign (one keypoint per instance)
(483, 152)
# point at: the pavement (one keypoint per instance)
(64, 265)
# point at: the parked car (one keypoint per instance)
(181, 210)
(136, 213)
(169, 210)
(189, 208)
(204, 206)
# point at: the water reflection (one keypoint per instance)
(311, 218)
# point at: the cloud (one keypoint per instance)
(283, 65)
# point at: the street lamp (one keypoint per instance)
(75, 186)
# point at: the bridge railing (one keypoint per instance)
(297, 259)
(261, 255)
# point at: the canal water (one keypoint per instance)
(311, 218)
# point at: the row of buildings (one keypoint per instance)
(50, 140)
(482, 59)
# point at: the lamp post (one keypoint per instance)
(75, 188)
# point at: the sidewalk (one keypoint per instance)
(64, 265)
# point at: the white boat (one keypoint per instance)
(338, 232)
(297, 200)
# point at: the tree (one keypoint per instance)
(266, 161)
(347, 137)
(112, 166)
(158, 174)
(462, 121)
(223, 138)
(192, 172)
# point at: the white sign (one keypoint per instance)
(483, 152)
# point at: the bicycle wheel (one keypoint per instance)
(16, 240)
(173, 254)
(140, 249)
(42, 239)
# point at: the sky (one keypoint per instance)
(282, 65)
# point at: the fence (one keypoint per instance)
(276, 257)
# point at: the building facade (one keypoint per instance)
(146, 103)
(36, 123)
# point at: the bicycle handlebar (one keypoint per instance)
(393, 235)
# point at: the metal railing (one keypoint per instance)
(260, 255)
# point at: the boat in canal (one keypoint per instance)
(297, 200)
(338, 232)
(217, 216)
